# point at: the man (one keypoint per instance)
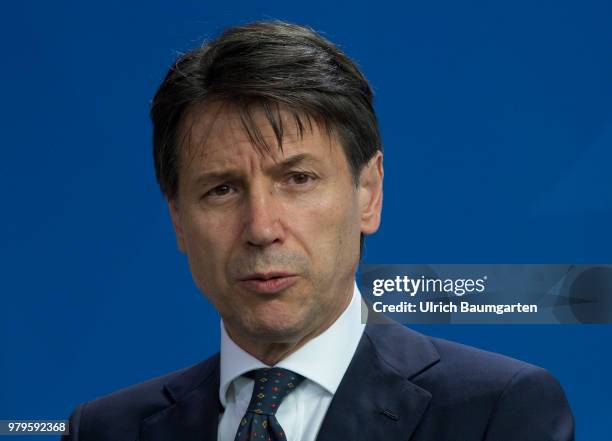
(268, 151)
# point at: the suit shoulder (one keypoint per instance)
(470, 358)
(482, 373)
(143, 394)
(118, 414)
(453, 365)
(401, 346)
(472, 390)
(517, 400)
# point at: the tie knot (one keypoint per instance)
(271, 386)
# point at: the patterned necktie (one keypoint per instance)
(259, 422)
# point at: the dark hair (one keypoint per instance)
(271, 66)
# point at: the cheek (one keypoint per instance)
(208, 242)
(328, 226)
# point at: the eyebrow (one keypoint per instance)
(292, 161)
(277, 168)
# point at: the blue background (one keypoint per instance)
(497, 126)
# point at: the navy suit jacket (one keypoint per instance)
(400, 385)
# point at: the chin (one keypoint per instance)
(276, 330)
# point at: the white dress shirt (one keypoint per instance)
(322, 362)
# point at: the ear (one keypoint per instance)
(176, 223)
(370, 194)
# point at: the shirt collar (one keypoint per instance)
(323, 359)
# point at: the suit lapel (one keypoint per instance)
(194, 414)
(376, 399)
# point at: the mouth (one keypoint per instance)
(268, 283)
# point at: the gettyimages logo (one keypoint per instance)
(489, 293)
(423, 284)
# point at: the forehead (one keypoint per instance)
(219, 131)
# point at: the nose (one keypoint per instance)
(262, 218)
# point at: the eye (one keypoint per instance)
(300, 178)
(219, 190)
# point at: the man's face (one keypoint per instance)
(272, 238)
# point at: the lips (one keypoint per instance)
(268, 283)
